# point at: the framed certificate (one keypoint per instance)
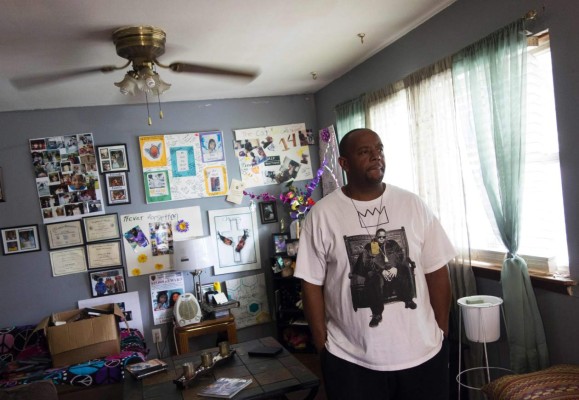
(106, 254)
(69, 261)
(64, 234)
(101, 227)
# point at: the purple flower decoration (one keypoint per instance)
(182, 226)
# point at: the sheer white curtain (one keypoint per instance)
(437, 158)
(416, 121)
(387, 115)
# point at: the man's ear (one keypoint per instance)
(343, 161)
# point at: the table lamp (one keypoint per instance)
(194, 255)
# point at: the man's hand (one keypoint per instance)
(390, 274)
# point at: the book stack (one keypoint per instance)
(146, 368)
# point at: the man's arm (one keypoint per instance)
(314, 310)
(438, 283)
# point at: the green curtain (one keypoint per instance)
(350, 115)
(491, 76)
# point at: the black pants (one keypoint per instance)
(345, 380)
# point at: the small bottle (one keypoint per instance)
(226, 240)
(241, 242)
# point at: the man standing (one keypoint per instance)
(405, 356)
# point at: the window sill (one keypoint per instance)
(542, 281)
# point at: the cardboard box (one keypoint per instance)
(73, 340)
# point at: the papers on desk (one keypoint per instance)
(225, 388)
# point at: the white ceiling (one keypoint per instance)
(285, 40)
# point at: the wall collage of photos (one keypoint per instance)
(84, 238)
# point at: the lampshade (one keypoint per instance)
(194, 253)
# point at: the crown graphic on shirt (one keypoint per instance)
(373, 218)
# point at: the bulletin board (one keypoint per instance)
(67, 180)
(183, 166)
(274, 154)
(148, 237)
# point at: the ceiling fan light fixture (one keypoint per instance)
(160, 86)
(128, 85)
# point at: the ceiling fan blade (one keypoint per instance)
(203, 69)
(30, 81)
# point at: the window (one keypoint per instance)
(543, 240)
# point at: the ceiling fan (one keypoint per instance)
(140, 46)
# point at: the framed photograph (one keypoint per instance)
(280, 242)
(20, 239)
(106, 282)
(112, 158)
(281, 263)
(64, 234)
(102, 227)
(1, 187)
(268, 212)
(68, 261)
(103, 255)
(117, 188)
(236, 239)
(292, 247)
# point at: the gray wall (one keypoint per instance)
(454, 28)
(29, 292)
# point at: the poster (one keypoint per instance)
(236, 239)
(165, 290)
(67, 180)
(148, 237)
(251, 293)
(127, 302)
(183, 166)
(273, 155)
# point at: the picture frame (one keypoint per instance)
(112, 158)
(292, 246)
(268, 212)
(281, 262)
(280, 242)
(64, 234)
(117, 188)
(68, 261)
(20, 239)
(236, 240)
(107, 282)
(104, 254)
(102, 227)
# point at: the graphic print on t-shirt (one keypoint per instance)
(380, 270)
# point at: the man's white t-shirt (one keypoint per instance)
(330, 241)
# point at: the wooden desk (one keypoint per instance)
(224, 324)
(272, 376)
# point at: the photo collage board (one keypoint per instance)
(273, 155)
(67, 179)
(183, 166)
